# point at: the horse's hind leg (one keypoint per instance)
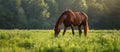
(72, 29)
(80, 30)
(64, 29)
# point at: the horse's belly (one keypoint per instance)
(67, 23)
(76, 23)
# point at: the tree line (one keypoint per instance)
(43, 14)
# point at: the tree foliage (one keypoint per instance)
(43, 14)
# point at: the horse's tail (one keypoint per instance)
(86, 26)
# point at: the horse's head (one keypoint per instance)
(56, 31)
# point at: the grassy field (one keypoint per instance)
(44, 41)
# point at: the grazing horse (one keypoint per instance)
(71, 19)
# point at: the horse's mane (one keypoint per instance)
(66, 11)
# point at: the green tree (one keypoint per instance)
(80, 5)
(53, 9)
(96, 11)
(10, 14)
(36, 12)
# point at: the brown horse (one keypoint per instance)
(71, 19)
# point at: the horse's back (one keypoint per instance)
(75, 18)
(79, 18)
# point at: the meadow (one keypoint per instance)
(44, 41)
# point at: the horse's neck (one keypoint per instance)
(59, 22)
(58, 25)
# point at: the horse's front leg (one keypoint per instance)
(64, 29)
(72, 27)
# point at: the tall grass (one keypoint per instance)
(44, 41)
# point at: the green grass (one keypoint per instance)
(44, 41)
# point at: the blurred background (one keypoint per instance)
(43, 14)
